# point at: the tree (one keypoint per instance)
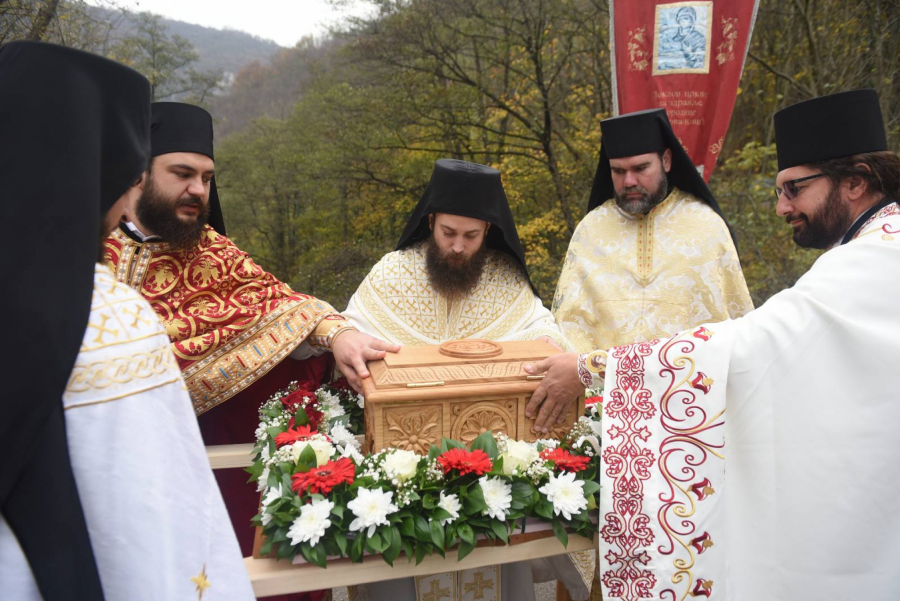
(165, 60)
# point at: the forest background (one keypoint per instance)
(323, 149)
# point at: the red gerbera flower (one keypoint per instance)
(565, 460)
(294, 435)
(466, 461)
(593, 400)
(322, 479)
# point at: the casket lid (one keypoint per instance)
(455, 368)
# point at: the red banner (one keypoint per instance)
(686, 57)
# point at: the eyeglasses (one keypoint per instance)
(790, 189)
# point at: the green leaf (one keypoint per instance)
(394, 546)
(428, 501)
(273, 431)
(423, 530)
(338, 510)
(437, 534)
(474, 504)
(300, 418)
(500, 530)
(319, 558)
(467, 534)
(560, 531)
(420, 553)
(447, 444)
(409, 549)
(408, 528)
(308, 457)
(357, 547)
(590, 487)
(376, 543)
(441, 514)
(464, 549)
(485, 442)
(433, 452)
(544, 510)
(266, 548)
(341, 542)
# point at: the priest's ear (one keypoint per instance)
(666, 158)
(857, 185)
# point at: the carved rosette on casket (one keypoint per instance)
(457, 390)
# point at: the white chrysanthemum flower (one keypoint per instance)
(498, 496)
(343, 437)
(371, 508)
(518, 456)
(400, 465)
(352, 453)
(263, 480)
(312, 523)
(450, 504)
(272, 495)
(549, 443)
(566, 493)
(322, 448)
(360, 401)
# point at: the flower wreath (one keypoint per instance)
(324, 499)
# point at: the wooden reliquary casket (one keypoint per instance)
(456, 390)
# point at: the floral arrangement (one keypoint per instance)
(324, 499)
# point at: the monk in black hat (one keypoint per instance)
(239, 333)
(458, 271)
(756, 458)
(92, 395)
(654, 254)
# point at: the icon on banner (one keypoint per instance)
(682, 38)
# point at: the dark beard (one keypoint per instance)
(825, 226)
(157, 214)
(645, 204)
(450, 279)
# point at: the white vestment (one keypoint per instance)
(396, 302)
(157, 523)
(757, 458)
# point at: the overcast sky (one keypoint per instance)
(284, 21)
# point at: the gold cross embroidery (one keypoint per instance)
(138, 309)
(202, 583)
(436, 593)
(102, 329)
(478, 585)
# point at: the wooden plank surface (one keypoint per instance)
(271, 577)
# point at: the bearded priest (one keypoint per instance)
(238, 333)
(654, 255)
(791, 493)
(459, 272)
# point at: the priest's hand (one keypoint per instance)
(352, 349)
(559, 386)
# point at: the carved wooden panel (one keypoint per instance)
(470, 419)
(413, 427)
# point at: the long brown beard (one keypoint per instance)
(157, 213)
(451, 279)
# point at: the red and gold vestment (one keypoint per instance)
(229, 321)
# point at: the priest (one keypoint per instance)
(105, 488)
(790, 494)
(238, 333)
(459, 272)
(654, 255)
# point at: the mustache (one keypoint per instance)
(192, 201)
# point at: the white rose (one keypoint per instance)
(321, 447)
(518, 454)
(401, 464)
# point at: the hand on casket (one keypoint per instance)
(559, 386)
(352, 349)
